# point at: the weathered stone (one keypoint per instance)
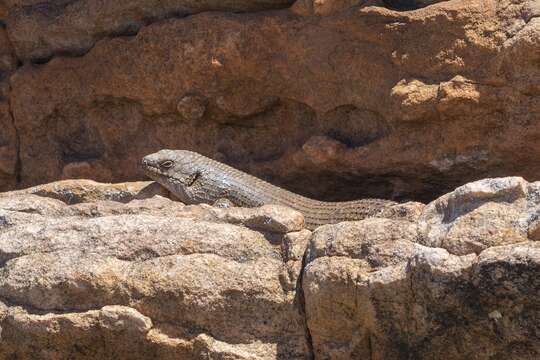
(8, 61)
(154, 278)
(191, 107)
(342, 104)
(479, 215)
(3, 12)
(8, 148)
(366, 240)
(78, 191)
(326, 7)
(431, 304)
(151, 275)
(271, 218)
(42, 29)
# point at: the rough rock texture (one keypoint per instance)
(373, 291)
(40, 29)
(120, 274)
(148, 279)
(8, 61)
(366, 98)
(8, 142)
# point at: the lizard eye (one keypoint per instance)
(166, 164)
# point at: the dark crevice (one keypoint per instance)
(408, 5)
(127, 31)
(130, 30)
(402, 5)
(18, 163)
(301, 301)
(46, 6)
(13, 52)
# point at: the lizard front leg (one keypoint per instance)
(223, 203)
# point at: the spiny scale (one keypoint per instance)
(246, 190)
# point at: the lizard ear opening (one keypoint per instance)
(166, 164)
(194, 177)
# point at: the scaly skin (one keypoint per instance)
(195, 179)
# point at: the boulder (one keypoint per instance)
(126, 274)
(147, 278)
(387, 289)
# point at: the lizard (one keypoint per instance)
(194, 179)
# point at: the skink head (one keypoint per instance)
(176, 170)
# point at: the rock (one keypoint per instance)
(3, 12)
(366, 240)
(271, 218)
(410, 211)
(8, 61)
(42, 29)
(84, 263)
(342, 103)
(479, 215)
(147, 278)
(326, 7)
(8, 148)
(191, 107)
(415, 99)
(392, 308)
(79, 191)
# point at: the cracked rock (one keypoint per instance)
(149, 277)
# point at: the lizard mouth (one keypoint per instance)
(150, 169)
(156, 173)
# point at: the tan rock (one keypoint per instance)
(393, 312)
(154, 278)
(415, 99)
(367, 239)
(325, 7)
(271, 218)
(78, 191)
(410, 211)
(150, 275)
(478, 215)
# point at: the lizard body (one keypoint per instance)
(194, 178)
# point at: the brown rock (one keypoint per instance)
(3, 12)
(292, 99)
(393, 312)
(8, 61)
(8, 148)
(42, 29)
(191, 107)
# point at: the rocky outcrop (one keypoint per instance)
(151, 278)
(41, 29)
(367, 98)
(91, 270)
(459, 283)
